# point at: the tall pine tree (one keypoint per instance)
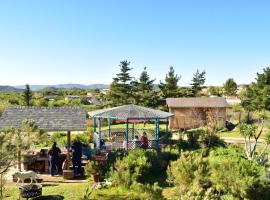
(27, 95)
(256, 96)
(197, 82)
(144, 90)
(121, 90)
(170, 87)
(230, 87)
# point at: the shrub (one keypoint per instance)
(147, 191)
(130, 169)
(222, 174)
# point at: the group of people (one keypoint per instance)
(142, 142)
(78, 149)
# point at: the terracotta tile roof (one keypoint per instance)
(46, 118)
(197, 102)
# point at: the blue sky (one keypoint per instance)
(83, 41)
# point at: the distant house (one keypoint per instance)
(105, 91)
(233, 100)
(193, 112)
(71, 97)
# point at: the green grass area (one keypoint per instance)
(67, 191)
(234, 133)
(113, 194)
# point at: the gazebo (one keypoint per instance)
(129, 114)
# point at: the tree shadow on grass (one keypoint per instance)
(49, 185)
(49, 197)
(111, 197)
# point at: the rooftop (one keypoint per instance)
(130, 112)
(46, 118)
(197, 102)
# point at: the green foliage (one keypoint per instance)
(197, 81)
(170, 88)
(256, 96)
(230, 87)
(121, 89)
(241, 178)
(247, 130)
(144, 91)
(41, 102)
(147, 191)
(27, 95)
(215, 91)
(189, 174)
(91, 168)
(61, 138)
(130, 169)
(3, 106)
(224, 173)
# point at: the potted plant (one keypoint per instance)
(92, 169)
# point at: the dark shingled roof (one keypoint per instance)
(46, 118)
(130, 112)
(197, 102)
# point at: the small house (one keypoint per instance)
(196, 111)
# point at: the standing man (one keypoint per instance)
(54, 153)
(77, 157)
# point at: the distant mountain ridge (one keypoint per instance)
(58, 86)
(6, 88)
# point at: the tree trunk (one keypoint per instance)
(19, 160)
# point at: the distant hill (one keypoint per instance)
(65, 86)
(6, 88)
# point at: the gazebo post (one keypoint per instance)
(99, 132)
(109, 127)
(95, 124)
(167, 125)
(133, 131)
(157, 129)
(68, 159)
(127, 134)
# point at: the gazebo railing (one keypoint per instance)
(152, 144)
(119, 134)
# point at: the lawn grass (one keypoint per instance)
(234, 134)
(66, 191)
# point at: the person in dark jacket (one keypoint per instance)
(77, 157)
(54, 153)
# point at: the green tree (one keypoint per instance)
(121, 90)
(256, 96)
(5, 162)
(224, 173)
(27, 95)
(144, 90)
(197, 81)
(252, 134)
(230, 87)
(215, 91)
(170, 87)
(23, 138)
